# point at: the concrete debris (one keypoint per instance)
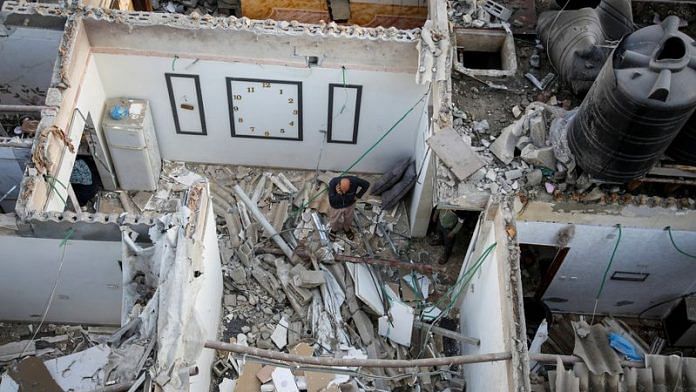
(518, 159)
(283, 380)
(280, 334)
(317, 301)
(457, 155)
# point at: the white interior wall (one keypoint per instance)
(89, 289)
(89, 101)
(641, 250)
(386, 96)
(208, 302)
(421, 202)
(27, 56)
(482, 317)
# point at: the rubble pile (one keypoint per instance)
(487, 14)
(200, 7)
(332, 296)
(529, 156)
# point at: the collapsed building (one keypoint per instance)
(203, 258)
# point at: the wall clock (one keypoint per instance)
(265, 109)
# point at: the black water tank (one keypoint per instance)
(683, 148)
(643, 96)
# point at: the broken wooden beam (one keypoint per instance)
(425, 268)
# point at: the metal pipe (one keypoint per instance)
(355, 362)
(264, 222)
(22, 108)
(571, 359)
(446, 333)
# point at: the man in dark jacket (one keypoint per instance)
(343, 192)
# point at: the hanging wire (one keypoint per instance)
(364, 154)
(674, 244)
(606, 271)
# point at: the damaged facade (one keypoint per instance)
(166, 222)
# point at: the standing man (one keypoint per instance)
(449, 223)
(343, 192)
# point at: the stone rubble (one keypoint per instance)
(273, 303)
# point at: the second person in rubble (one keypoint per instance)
(343, 193)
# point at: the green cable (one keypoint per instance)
(67, 237)
(52, 183)
(461, 283)
(611, 261)
(308, 202)
(669, 230)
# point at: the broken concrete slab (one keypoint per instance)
(398, 325)
(454, 153)
(86, 369)
(280, 334)
(265, 374)
(309, 279)
(366, 288)
(364, 326)
(504, 146)
(32, 375)
(284, 381)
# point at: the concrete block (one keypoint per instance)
(540, 157)
(504, 146)
(238, 274)
(230, 300)
(309, 279)
(535, 177)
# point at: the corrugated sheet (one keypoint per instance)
(592, 345)
(662, 374)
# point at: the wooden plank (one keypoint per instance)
(456, 154)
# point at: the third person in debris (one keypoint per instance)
(343, 192)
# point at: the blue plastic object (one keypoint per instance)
(118, 112)
(622, 345)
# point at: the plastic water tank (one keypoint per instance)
(683, 148)
(643, 96)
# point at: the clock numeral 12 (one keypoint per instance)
(266, 84)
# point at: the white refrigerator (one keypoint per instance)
(133, 145)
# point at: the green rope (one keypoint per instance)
(669, 230)
(352, 165)
(611, 261)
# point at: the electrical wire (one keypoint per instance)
(606, 271)
(364, 154)
(674, 244)
(52, 182)
(651, 307)
(453, 296)
(62, 244)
